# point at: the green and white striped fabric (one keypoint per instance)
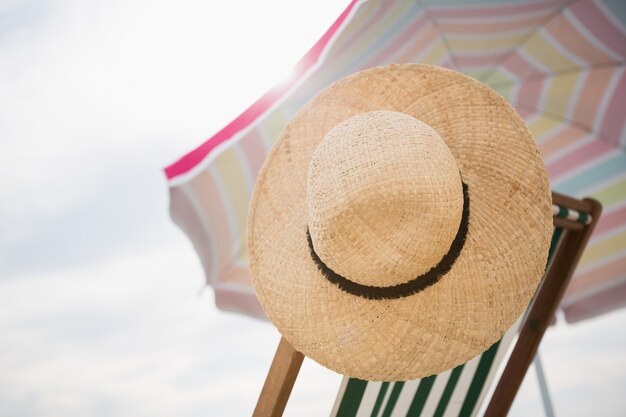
(570, 214)
(459, 392)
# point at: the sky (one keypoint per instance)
(103, 309)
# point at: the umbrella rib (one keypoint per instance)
(573, 123)
(444, 40)
(525, 39)
(555, 74)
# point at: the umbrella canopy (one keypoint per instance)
(559, 63)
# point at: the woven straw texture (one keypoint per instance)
(374, 181)
(383, 207)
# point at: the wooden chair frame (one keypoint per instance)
(287, 360)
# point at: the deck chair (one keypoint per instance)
(462, 390)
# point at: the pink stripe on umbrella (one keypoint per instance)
(519, 66)
(187, 217)
(193, 158)
(485, 59)
(585, 154)
(570, 38)
(490, 28)
(254, 151)
(609, 221)
(589, 281)
(593, 91)
(614, 119)
(365, 27)
(600, 26)
(598, 304)
(414, 31)
(494, 11)
(529, 93)
(566, 136)
(210, 206)
(237, 301)
(425, 38)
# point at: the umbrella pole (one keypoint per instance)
(543, 386)
(279, 381)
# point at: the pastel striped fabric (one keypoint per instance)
(459, 392)
(559, 62)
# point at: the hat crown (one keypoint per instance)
(384, 198)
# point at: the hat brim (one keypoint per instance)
(492, 280)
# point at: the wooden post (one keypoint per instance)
(279, 381)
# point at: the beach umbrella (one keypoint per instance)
(559, 63)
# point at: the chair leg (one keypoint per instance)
(279, 381)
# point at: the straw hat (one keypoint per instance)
(400, 224)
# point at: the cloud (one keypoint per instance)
(99, 97)
(99, 289)
(132, 338)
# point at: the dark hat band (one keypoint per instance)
(408, 288)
